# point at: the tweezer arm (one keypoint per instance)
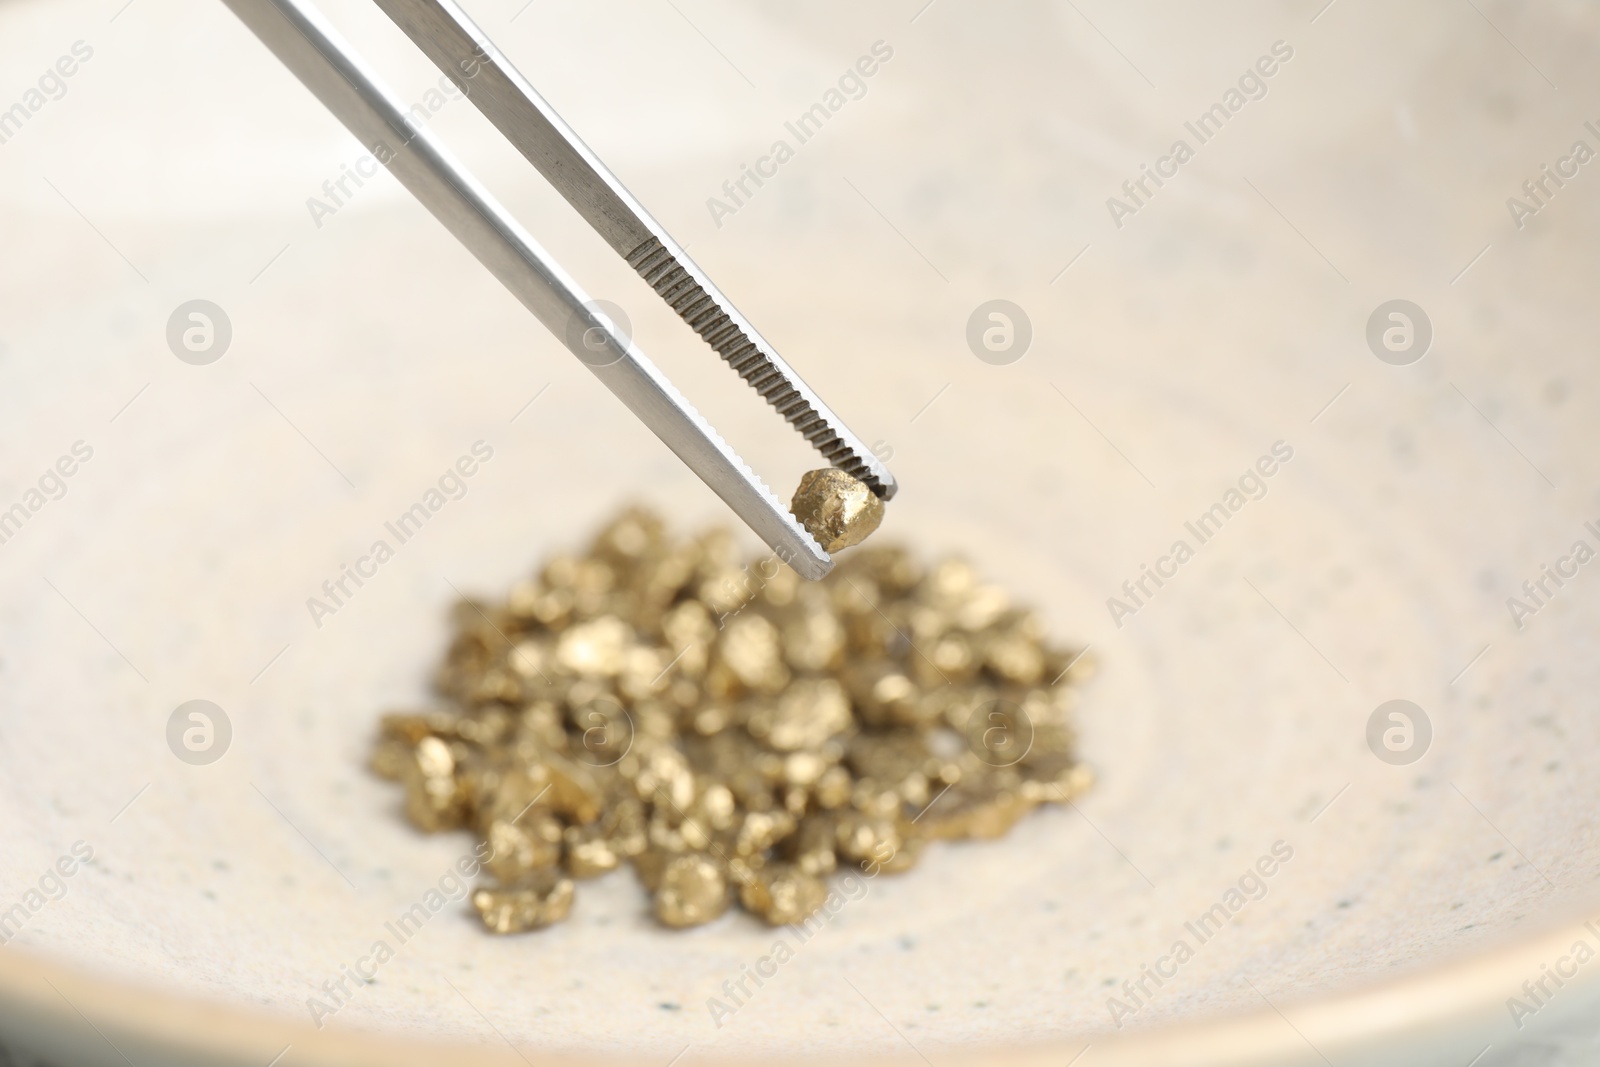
(442, 30)
(303, 40)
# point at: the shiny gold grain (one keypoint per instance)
(729, 731)
(835, 508)
(693, 891)
(530, 903)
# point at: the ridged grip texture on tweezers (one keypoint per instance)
(482, 72)
(674, 284)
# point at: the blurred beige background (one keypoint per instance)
(1168, 354)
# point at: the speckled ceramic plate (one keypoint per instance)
(1271, 868)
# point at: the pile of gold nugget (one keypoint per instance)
(730, 730)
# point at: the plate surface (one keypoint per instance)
(1211, 320)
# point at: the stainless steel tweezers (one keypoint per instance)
(299, 35)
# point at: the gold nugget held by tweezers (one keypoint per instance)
(299, 35)
(734, 733)
(836, 509)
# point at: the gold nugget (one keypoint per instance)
(530, 903)
(835, 508)
(732, 733)
(692, 891)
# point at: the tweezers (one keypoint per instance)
(314, 52)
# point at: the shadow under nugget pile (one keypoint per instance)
(733, 732)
